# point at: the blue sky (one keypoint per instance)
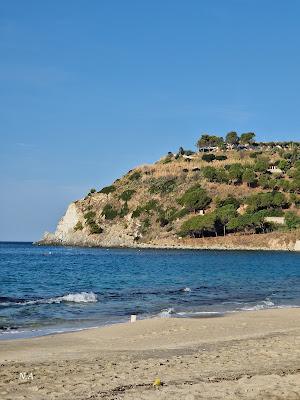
(91, 89)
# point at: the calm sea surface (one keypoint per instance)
(54, 289)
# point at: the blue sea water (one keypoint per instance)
(54, 289)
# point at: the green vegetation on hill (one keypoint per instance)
(230, 186)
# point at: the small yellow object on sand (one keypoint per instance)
(157, 382)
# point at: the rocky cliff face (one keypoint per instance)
(115, 235)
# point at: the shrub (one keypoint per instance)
(90, 221)
(180, 213)
(163, 221)
(163, 185)
(145, 224)
(295, 199)
(283, 165)
(124, 210)
(147, 208)
(137, 212)
(235, 172)
(264, 181)
(189, 152)
(295, 185)
(167, 160)
(95, 228)
(221, 158)
(127, 195)
(135, 176)
(167, 216)
(255, 154)
(222, 176)
(209, 173)
(261, 165)
(78, 226)
(274, 184)
(150, 205)
(89, 215)
(292, 220)
(208, 157)
(109, 212)
(229, 200)
(249, 176)
(285, 185)
(215, 174)
(93, 190)
(108, 189)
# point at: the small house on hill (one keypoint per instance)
(275, 170)
(275, 220)
(188, 157)
(208, 148)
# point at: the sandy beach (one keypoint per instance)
(249, 355)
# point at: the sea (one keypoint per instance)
(47, 290)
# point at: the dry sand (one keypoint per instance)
(250, 355)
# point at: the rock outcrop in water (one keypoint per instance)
(180, 202)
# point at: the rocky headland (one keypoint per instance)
(221, 197)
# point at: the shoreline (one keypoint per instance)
(32, 334)
(274, 241)
(241, 314)
(149, 246)
(247, 355)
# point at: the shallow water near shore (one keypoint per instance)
(45, 290)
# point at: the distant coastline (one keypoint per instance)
(269, 242)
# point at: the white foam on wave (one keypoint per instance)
(186, 289)
(191, 313)
(166, 313)
(82, 297)
(267, 303)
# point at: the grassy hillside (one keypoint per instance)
(224, 189)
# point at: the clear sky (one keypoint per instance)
(90, 89)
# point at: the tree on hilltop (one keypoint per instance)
(232, 138)
(247, 138)
(209, 141)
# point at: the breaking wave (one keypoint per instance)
(82, 297)
(186, 289)
(166, 313)
(267, 303)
